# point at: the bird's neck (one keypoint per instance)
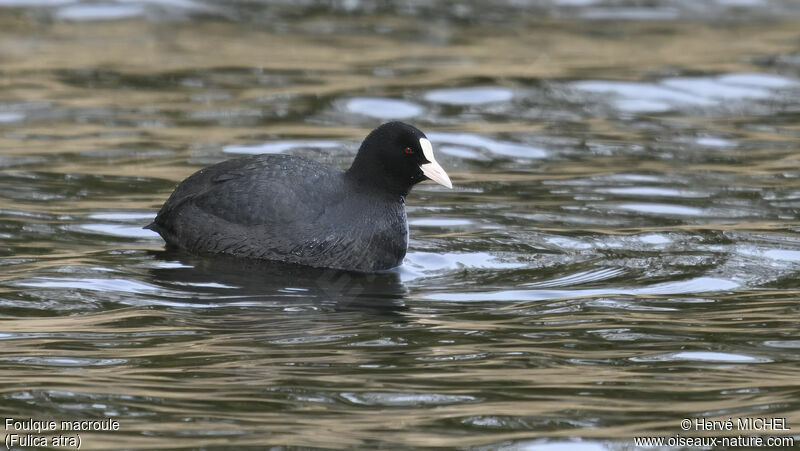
(374, 175)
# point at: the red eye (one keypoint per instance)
(408, 150)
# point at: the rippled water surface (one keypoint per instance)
(620, 250)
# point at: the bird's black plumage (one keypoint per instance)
(280, 207)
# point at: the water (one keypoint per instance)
(620, 250)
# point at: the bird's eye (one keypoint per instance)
(408, 150)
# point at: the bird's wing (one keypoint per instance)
(269, 201)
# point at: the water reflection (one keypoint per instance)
(108, 11)
(696, 285)
(496, 147)
(695, 356)
(278, 147)
(241, 282)
(469, 96)
(388, 109)
(687, 92)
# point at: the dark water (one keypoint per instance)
(620, 251)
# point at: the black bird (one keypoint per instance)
(286, 208)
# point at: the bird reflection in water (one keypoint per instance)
(221, 278)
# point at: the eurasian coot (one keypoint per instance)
(280, 207)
